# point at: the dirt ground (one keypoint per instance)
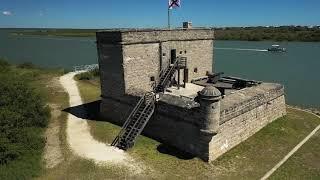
(79, 138)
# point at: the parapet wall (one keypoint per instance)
(134, 36)
(244, 113)
(244, 125)
(177, 121)
(247, 99)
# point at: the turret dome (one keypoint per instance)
(209, 93)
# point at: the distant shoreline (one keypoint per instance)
(282, 33)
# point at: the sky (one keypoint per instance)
(153, 13)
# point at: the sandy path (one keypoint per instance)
(52, 151)
(79, 138)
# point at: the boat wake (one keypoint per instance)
(239, 49)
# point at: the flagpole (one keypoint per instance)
(168, 17)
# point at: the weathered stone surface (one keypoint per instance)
(247, 99)
(179, 122)
(111, 70)
(138, 36)
(240, 127)
(199, 55)
(127, 66)
(140, 63)
(128, 59)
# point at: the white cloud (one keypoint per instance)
(7, 13)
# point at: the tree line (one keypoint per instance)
(282, 33)
(259, 33)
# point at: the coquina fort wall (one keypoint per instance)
(206, 126)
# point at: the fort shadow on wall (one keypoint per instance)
(90, 111)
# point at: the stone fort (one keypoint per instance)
(160, 83)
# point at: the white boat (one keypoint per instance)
(277, 48)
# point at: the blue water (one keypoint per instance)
(47, 51)
(298, 69)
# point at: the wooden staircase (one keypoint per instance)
(165, 77)
(136, 122)
(143, 111)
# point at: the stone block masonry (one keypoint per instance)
(181, 123)
(129, 59)
(244, 125)
(178, 121)
(209, 125)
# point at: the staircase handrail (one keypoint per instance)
(167, 76)
(163, 70)
(144, 109)
(128, 120)
(153, 107)
(148, 104)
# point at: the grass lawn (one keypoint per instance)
(249, 160)
(304, 164)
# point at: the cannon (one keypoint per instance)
(214, 77)
(239, 83)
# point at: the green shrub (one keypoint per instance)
(84, 76)
(23, 117)
(95, 72)
(88, 75)
(26, 65)
(17, 96)
(4, 65)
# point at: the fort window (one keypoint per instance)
(185, 51)
(164, 54)
(152, 78)
(195, 70)
(180, 52)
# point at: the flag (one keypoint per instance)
(174, 4)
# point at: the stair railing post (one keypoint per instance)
(116, 140)
(136, 121)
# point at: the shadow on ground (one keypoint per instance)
(90, 111)
(166, 149)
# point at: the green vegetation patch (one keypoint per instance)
(23, 118)
(249, 160)
(260, 33)
(283, 33)
(303, 164)
(89, 75)
(58, 32)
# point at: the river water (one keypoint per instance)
(298, 69)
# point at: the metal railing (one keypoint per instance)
(182, 62)
(143, 100)
(168, 75)
(89, 67)
(125, 125)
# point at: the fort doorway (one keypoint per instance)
(173, 56)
